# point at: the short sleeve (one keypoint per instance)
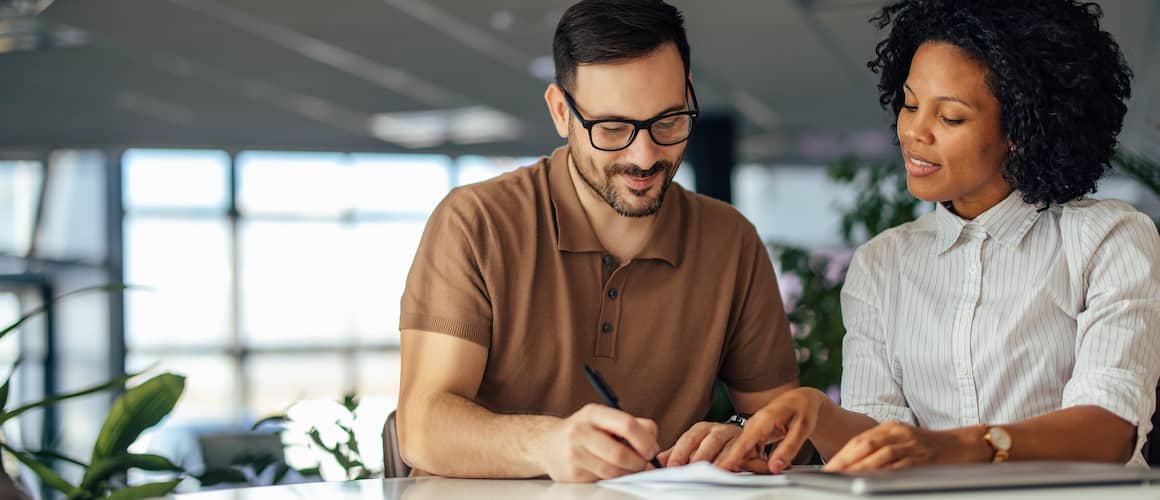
(759, 353)
(446, 288)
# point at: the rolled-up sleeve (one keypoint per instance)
(868, 383)
(1117, 359)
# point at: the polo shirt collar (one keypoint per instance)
(574, 231)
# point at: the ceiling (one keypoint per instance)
(309, 74)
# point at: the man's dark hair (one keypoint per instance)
(1060, 81)
(606, 31)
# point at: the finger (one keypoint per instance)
(713, 443)
(758, 431)
(756, 465)
(613, 451)
(854, 451)
(663, 457)
(686, 445)
(783, 454)
(641, 433)
(882, 458)
(593, 466)
(902, 463)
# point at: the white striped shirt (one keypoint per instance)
(1018, 313)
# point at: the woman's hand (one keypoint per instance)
(895, 445)
(790, 418)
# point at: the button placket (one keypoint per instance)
(964, 325)
(608, 325)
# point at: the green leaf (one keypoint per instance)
(139, 408)
(280, 473)
(44, 307)
(151, 490)
(1144, 170)
(105, 468)
(279, 419)
(44, 472)
(7, 384)
(116, 382)
(222, 475)
(45, 455)
(350, 402)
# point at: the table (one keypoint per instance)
(443, 488)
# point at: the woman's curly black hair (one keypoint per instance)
(1060, 81)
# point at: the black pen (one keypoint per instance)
(609, 399)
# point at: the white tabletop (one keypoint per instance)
(443, 488)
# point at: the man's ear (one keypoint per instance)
(558, 108)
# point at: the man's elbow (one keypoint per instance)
(415, 445)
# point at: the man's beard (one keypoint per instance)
(606, 189)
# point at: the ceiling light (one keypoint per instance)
(425, 129)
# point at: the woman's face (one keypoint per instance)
(949, 131)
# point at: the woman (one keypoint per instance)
(1019, 320)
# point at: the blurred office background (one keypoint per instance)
(261, 171)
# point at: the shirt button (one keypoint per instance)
(612, 294)
(608, 260)
(606, 327)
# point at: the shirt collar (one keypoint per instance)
(1007, 222)
(574, 231)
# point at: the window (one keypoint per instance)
(20, 183)
(272, 278)
(282, 286)
(794, 205)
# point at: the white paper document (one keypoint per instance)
(700, 473)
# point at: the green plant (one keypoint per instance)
(1144, 170)
(134, 411)
(343, 450)
(815, 313)
(246, 468)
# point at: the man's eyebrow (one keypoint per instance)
(670, 109)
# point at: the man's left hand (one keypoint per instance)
(703, 442)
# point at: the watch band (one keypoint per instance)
(737, 420)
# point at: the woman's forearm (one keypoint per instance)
(836, 426)
(1085, 433)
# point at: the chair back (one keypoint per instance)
(393, 464)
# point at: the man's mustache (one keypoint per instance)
(636, 171)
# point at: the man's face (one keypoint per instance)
(633, 180)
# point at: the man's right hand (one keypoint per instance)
(597, 442)
(790, 418)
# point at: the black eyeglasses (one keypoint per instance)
(614, 135)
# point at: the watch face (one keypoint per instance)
(999, 438)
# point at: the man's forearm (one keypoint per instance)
(452, 436)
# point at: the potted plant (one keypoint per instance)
(134, 411)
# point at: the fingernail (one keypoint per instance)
(777, 466)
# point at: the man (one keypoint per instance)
(591, 256)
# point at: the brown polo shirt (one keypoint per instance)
(513, 264)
